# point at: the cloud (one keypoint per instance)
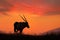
(38, 3)
(29, 5)
(53, 3)
(4, 6)
(53, 13)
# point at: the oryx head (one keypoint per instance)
(26, 22)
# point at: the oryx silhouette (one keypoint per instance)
(19, 26)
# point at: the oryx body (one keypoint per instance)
(19, 26)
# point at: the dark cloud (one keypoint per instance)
(4, 6)
(46, 4)
(53, 13)
(52, 3)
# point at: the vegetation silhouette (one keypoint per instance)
(19, 36)
(45, 36)
(19, 26)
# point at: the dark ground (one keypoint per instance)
(29, 37)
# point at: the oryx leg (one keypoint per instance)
(21, 31)
(15, 30)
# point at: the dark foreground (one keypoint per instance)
(29, 37)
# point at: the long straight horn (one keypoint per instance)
(24, 18)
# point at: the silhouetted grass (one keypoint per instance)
(29, 37)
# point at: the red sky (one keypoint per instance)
(42, 15)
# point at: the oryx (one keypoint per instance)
(19, 26)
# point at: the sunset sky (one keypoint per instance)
(42, 15)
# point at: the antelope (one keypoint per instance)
(19, 26)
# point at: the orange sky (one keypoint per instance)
(42, 17)
(38, 24)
